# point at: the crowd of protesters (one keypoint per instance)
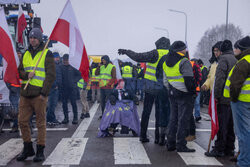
(176, 85)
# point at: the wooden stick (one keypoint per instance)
(210, 139)
(46, 45)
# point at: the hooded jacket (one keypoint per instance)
(185, 68)
(152, 57)
(226, 61)
(240, 73)
(50, 72)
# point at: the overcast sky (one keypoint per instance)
(107, 25)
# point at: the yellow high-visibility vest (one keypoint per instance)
(150, 73)
(105, 74)
(245, 90)
(80, 83)
(29, 64)
(127, 71)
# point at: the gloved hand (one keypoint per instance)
(122, 51)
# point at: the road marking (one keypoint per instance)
(129, 151)
(47, 129)
(83, 127)
(197, 130)
(68, 151)
(9, 150)
(198, 157)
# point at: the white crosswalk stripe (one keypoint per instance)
(129, 151)
(198, 157)
(9, 150)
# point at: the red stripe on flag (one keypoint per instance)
(6, 50)
(21, 25)
(212, 111)
(84, 66)
(61, 32)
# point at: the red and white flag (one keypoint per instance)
(8, 52)
(212, 111)
(21, 25)
(67, 32)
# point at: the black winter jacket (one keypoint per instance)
(70, 77)
(226, 61)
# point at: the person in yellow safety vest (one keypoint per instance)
(179, 77)
(128, 75)
(107, 73)
(139, 83)
(155, 92)
(237, 87)
(93, 84)
(224, 143)
(34, 97)
(83, 95)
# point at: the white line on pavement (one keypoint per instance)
(198, 157)
(9, 150)
(83, 127)
(129, 151)
(47, 129)
(68, 151)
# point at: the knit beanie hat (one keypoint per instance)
(56, 54)
(106, 58)
(66, 57)
(226, 46)
(36, 33)
(178, 46)
(244, 43)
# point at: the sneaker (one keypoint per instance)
(185, 149)
(86, 115)
(56, 122)
(65, 121)
(190, 138)
(171, 148)
(82, 116)
(197, 119)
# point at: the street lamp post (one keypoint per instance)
(227, 20)
(163, 29)
(177, 11)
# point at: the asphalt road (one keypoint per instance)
(78, 145)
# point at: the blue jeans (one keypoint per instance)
(241, 117)
(197, 105)
(53, 99)
(14, 100)
(139, 87)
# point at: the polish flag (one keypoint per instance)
(8, 52)
(21, 25)
(212, 111)
(67, 32)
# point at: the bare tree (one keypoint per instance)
(213, 35)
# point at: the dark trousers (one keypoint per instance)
(225, 136)
(149, 100)
(14, 97)
(69, 94)
(181, 111)
(164, 107)
(105, 93)
(53, 99)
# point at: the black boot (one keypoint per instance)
(157, 135)
(162, 140)
(39, 154)
(28, 151)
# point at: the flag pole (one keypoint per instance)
(46, 45)
(209, 143)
